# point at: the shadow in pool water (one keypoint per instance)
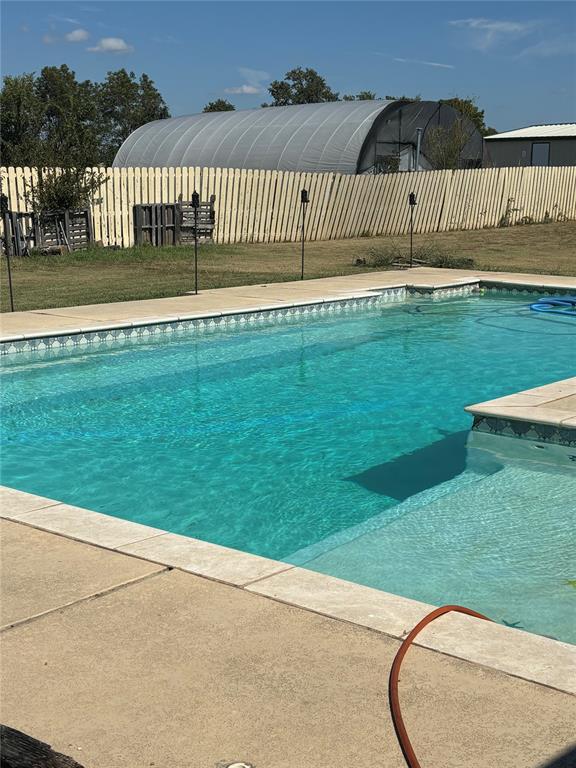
(414, 472)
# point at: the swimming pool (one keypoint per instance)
(339, 443)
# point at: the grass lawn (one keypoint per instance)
(100, 275)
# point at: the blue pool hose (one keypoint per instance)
(553, 305)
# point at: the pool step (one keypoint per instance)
(493, 545)
(385, 518)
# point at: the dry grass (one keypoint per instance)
(101, 275)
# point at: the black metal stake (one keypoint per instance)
(195, 205)
(10, 288)
(412, 204)
(304, 200)
(411, 236)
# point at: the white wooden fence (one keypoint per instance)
(264, 206)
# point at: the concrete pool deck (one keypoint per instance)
(525, 655)
(140, 647)
(121, 663)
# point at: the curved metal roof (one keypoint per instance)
(303, 137)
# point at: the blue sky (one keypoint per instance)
(516, 58)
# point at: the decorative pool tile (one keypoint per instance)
(446, 292)
(276, 315)
(205, 324)
(523, 290)
(526, 430)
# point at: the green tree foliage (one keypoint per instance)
(300, 86)
(52, 119)
(21, 115)
(65, 188)
(220, 105)
(444, 145)
(362, 96)
(68, 131)
(125, 103)
(470, 109)
(404, 98)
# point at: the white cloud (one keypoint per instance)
(65, 19)
(255, 79)
(24, 28)
(77, 36)
(562, 45)
(253, 76)
(245, 89)
(491, 25)
(49, 39)
(485, 33)
(425, 63)
(111, 45)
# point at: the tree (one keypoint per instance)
(300, 86)
(404, 98)
(444, 145)
(220, 105)
(69, 131)
(53, 119)
(469, 109)
(48, 120)
(21, 116)
(362, 96)
(125, 104)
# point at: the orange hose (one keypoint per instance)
(399, 727)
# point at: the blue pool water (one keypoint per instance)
(339, 443)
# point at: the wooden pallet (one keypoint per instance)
(54, 231)
(160, 224)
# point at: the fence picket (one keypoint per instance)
(264, 206)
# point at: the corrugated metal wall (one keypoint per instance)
(263, 206)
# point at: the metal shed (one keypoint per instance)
(343, 136)
(536, 145)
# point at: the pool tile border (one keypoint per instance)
(528, 430)
(203, 322)
(523, 289)
(538, 414)
(531, 657)
(230, 319)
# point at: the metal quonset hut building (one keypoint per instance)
(343, 136)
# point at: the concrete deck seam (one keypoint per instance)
(50, 313)
(267, 576)
(85, 599)
(22, 519)
(28, 511)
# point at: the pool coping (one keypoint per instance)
(187, 321)
(535, 658)
(435, 283)
(546, 414)
(276, 311)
